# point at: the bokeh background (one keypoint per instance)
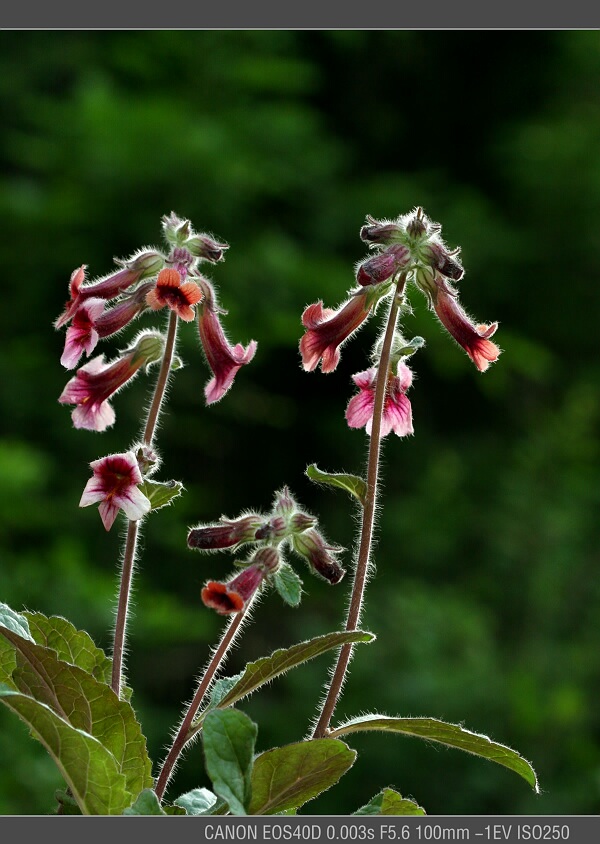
(486, 599)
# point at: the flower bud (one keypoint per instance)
(146, 262)
(176, 231)
(312, 546)
(381, 267)
(232, 597)
(267, 559)
(148, 346)
(440, 259)
(284, 503)
(228, 534)
(206, 248)
(381, 231)
(301, 522)
(147, 458)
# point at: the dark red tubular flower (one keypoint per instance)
(227, 534)
(223, 359)
(328, 329)
(473, 338)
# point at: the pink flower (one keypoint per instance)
(92, 386)
(473, 338)
(397, 412)
(177, 295)
(114, 485)
(91, 322)
(82, 335)
(328, 329)
(141, 265)
(223, 359)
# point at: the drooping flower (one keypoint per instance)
(82, 334)
(142, 265)
(328, 329)
(114, 485)
(93, 384)
(171, 292)
(472, 337)
(397, 411)
(223, 359)
(92, 322)
(233, 596)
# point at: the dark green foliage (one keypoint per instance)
(485, 599)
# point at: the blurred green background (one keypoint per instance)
(486, 599)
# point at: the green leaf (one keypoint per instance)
(14, 622)
(264, 670)
(146, 804)
(71, 645)
(200, 801)
(288, 777)
(229, 737)
(288, 584)
(68, 805)
(89, 769)
(222, 687)
(161, 493)
(451, 735)
(350, 483)
(84, 703)
(389, 802)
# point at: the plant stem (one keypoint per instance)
(182, 734)
(131, 540)
(368, 520)
(123, 606)
(161, 382)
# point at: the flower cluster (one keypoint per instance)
(285, 526)
(405, 251)
(150, 280)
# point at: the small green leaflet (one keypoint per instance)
(160, 494)
(351, 484)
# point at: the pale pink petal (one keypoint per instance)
(93, 417)
(405, 376)
(133, 503)
(365, 380)
(360, 409)
(108, 512)
(398, 415)
(93, 492)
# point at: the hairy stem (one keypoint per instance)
(161, 382)
(368, 520)
(129, 554)
(182, 736)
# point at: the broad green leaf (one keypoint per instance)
(174, 810)
(15, 622)
(8, 662)
(288, 584)
(222, 687)
(452, 735)
(288, 777)
(389, 802)
(161, 493)
(68, 804)
(84, 703)
(200, 801)
(147, 803)
(349, 483)
(71, 645)
(229, 737)
(89, 769)
(266, 669)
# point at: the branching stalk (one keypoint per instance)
(133, 528)
(368, 520)
(182, 736)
